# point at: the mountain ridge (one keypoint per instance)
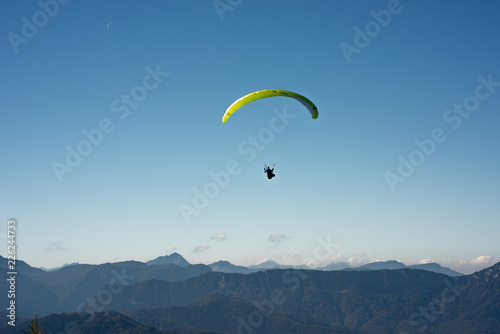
(298, 301)
(226, 266)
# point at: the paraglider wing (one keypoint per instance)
(261, 94)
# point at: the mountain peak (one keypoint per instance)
(227, 267)
(174, 258)
(274, 265)
(437, 268)
(265, 265)
(379, 265)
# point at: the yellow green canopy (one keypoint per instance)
(261, 94)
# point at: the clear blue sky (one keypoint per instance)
(67, 68)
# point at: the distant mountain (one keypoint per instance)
(436, 268)
(381, 265)
(265, 265)
(335, 266)
(226, 267)
(57, 268)
(67, 289)
(21, 266)
(273, 265)
(391, 265)
(378, 265)
(174, 258)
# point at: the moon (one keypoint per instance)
(107, 25)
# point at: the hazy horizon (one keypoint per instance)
(464, 268)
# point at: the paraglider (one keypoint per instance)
(269, 171)
(261, 94)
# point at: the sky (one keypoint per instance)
(113, 147)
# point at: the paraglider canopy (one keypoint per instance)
(261, 94)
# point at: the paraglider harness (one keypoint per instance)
(269, 171)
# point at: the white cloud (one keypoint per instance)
(357, 260)
(468, 266)
(260, 259)
(219, 237)
(199, 249)
(353, 260)
(56, 246)
(277, 238)
(483, 259)
(314, 262)
(338, 258)
(425, 261)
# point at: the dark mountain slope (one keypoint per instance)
(83, 323)
(220, 313)
(355, 300)
(304, 301)
(69, 288)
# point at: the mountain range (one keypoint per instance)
(162, 297)
(227, 267)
